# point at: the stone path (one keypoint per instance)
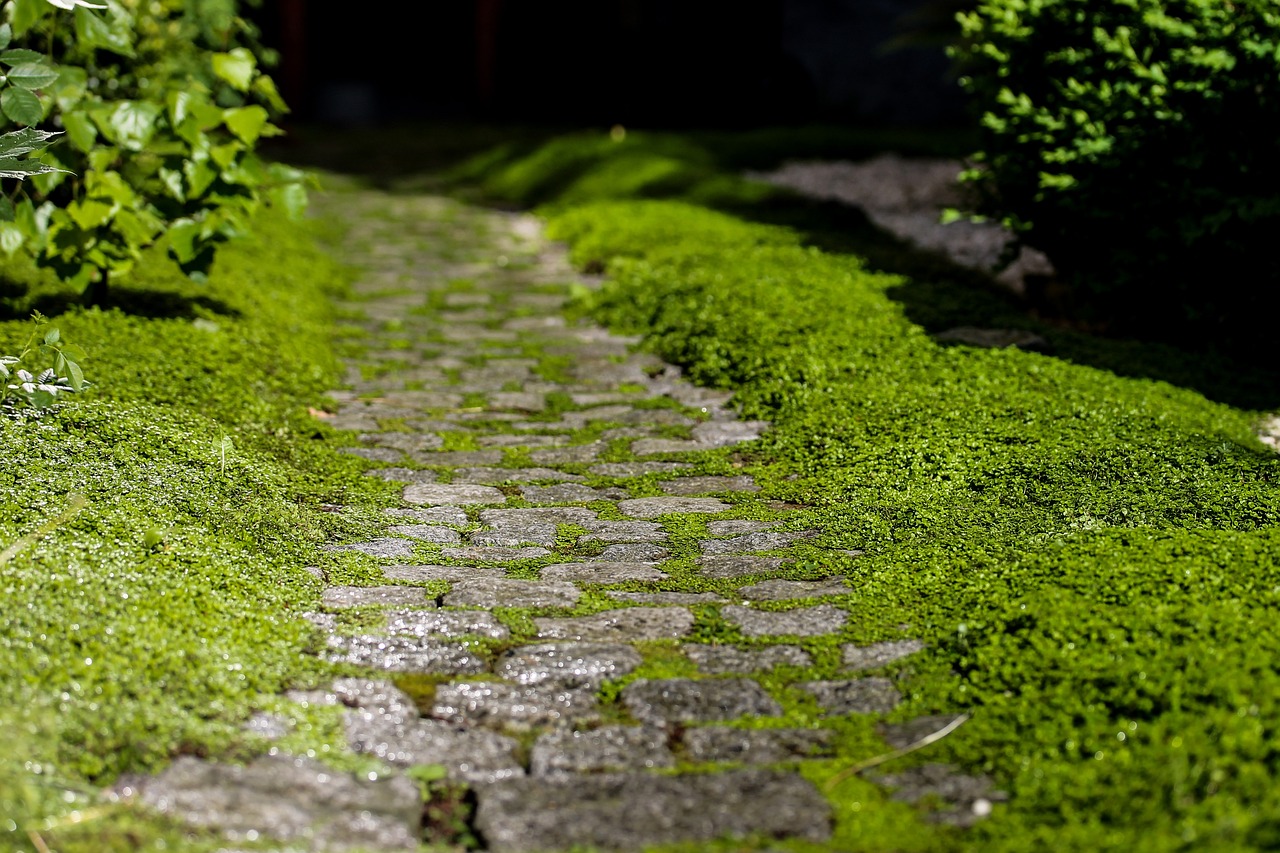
(570, 518)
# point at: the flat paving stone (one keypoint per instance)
(634, 552)
(683, 598)
(879, 654)
(384, 548)
(726, 433)
(606, 749)
(724, 567)
(720, 660)
(459, 457)
(654, 507)
(402, 475)
(684, 700)
(737, 526)
(653, 446)
(636, 469)
(422, 574)
(445, 623)
(431, 515)
(373, 454)
(632, 811)
(405, 654)
(435, 534)
(602, 572)
(518, 440)
(567, 664)
(531, 515)
(756, 746)
(800, 622)
(564, 493)
(453, 495)
(691, 486)
(536, 533)
(782, 590)
(518, 400)
(494, 476)
(492, 554)
(290, 799)
(747, 543)
(964, 799)
(628, 624)
(507, 592)
(576, 454)
(516, 706)
(624, 531)
(403, 441)
(856, 696)
(359, 596)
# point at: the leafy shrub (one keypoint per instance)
(1123, 137)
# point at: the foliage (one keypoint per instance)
(162, 109)
(45, 367)
(1122, 137)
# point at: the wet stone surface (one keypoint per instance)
(683, 700)
(629, 624)
(568, 664)
(755, 746)
(801, 622)
(507, 592)
(719, 660)
(606, 749)
(404, 654)
(879, 654)
(859, 696)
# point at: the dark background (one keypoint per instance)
(657, 63)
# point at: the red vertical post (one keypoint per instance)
(487, 14)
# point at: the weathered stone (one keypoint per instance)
(428, 533)
(486, 554)
(506, 592)
(402, 475)
(385, 548)
(445, 623)
(517, 706)
(519, 400)
(289, 799)
(719, 568)
(651, 446)
(683, 700)
(567, 664)
(737, 526)
(879, 654)
(965, 799)
(403, 441)
(756, 746)
(405, 654)
(358, 596)
(602, 572)
(634, 552)
(628, 624)
(459, 457)
(599, 413)
(691, 486)
(269, 726)
(373, 454)
(751, 542)
(547, 515)
(801, 622)
(859, 696)
(610, 748)
(725, 433)
(624, 531)
(654, 507)
(666, 597)
(431, 515)
(636, 469)
(632, 811)
(453, 495)
(781, 590)
(521, 440)
(421, 574)
(575, 454)
(563, 493)
(718, 660)
(494, 476)
(514, 535)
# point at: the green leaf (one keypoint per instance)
(17, 56)
(292, 198)
(90, 213)
(246, 122)
(75, 376)
(32, 75)
(21, 106)
(93, 31)
(52, 336)
(6, 35)
(25, 141)
(80, 130)
(225, 155)
(183, 237)
(236, 68)
(200, 176)
(7, 213)
(131, 124)
(13, 168)
(11, 237)
(266, 88)
(24, 14)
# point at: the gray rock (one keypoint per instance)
(654, 507)
(610, 748)
(521, 440)
(634, 552)
(431, 515)
(269, 726)
(718, 660)
(405, 654)
(511, 705)
(373, 454)
(781, 590)
(519, 400)
(538, 515)
(720, 568)
(563, 493)
(494, 476)
(752, 542)
(428, 533)
(567, 664)
(486, 554)
(691, 486)
(385, 548)
(650, 446)
(636, 469)
(965, 799)
(725, 433)
(879, 654)
(756, 746)
(683, 700)
(445, 623)
(514, 535)
(289, 799)
(628, 624)
(567, 455)
(683, 598)
(602, 572)
(506, 592)
(402, 475)
(624, 531)
(737, 526)
(420, 574)
(459, 457)
(632, 811)
(358, 596)
(452, 495)
(859, 696)
(403, 441)
(801, 622)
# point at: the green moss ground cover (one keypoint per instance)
(1087, 541)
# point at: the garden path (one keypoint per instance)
(569, 519)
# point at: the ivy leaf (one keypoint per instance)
(130, 125)
(21, 106)
(292, 198)
(32, 75)
(80, 130)
(236, 68)
(98, 32)
(246, 122)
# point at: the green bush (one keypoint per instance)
(1124, 137)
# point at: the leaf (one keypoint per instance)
(93, 31)
(52, 336)
(24, 14)
(21, 106)
(32, 75)
(6, 35)
(20, 55)
(183, 235)
(131, 124)
(292, 198)
(80, 130)
(13, 168)
(246, 122)
(200, 176)
(90, 213)
(25, 141)
(225, 155)
(75, 376)
(236, 68)
(266, 87)
(12, 237)
(7, 213)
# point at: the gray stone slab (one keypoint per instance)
(756, 746)
(627, 625)
(636, 469)
(269, 726)
(546, 515)
(684, 700)
(452, 495)
(506, 592)
(782, 590)
(389, 596)
(373, 454)
(682, 598)
(652, 446)
(487, 554)
(459, 457)
(567, 664)
(513, 535)
(431, 515)
(654, 507)
(606, 749)
(726, 433)
(599, 413)
(403, 441)
(518, 400)
(879, 654)
(800, 622)
(856, 696)
(720, 568)
(748, 543)
(494, 476)
(445, 623)
(692, 486)
(633, 811)
(634, 552)
(719, 660)
(956, 798)
(576, 454)
(624, 531)
(402, 475)
(405, 654)
(602, 572)
(521, 440)
(422, 574)
(564, 493)
(290, 799)
(516, 706)
(384, 548)
(433, 533)
(737, 526)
